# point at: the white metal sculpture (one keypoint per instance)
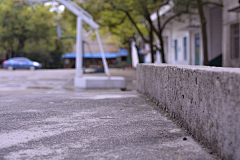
(82, 15)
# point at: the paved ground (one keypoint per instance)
(60, 80)
(43, 117)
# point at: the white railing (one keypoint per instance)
(82, 15)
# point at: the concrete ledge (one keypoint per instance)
(205, 100)
(99, 82)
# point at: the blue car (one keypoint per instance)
(21, 62)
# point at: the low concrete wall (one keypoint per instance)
(205, 100)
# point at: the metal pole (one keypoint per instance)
(79, 48)
(102, 52)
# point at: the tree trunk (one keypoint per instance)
(160, 38)
(21, 46)
(162, 47)
(138, 49)
(7, 55)
(151, 43)
(12, 54)
(204, 32)
(130, 51)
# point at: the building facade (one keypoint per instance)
(231, 33)
(92, 57)
(183, 38)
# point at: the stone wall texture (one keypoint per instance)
(204, 100)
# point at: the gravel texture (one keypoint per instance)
(59, 123)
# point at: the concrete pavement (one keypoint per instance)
(58, 80)
(59, 122)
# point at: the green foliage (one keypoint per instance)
(28, 31)
(113, 21)
(126, 18)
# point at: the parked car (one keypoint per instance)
(21, 62)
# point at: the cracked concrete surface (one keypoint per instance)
(93, 124)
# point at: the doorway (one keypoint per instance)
(197, 49)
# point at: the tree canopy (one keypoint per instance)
(28, 31)
(125, 18)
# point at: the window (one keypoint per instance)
(234, 41)
(185, 47)
(176, 49)
(124, 58)
(20, 60)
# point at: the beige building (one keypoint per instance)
(115, 56)
(94, 47)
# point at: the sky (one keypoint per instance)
(55, 6)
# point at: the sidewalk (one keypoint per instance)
(103, 124)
